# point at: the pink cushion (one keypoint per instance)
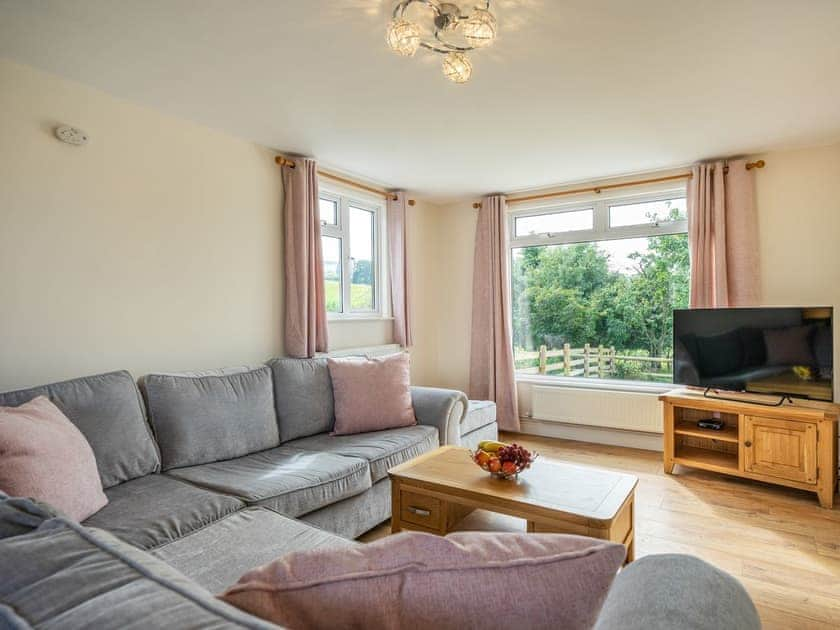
(371, 394)
(415, 580)
(44, 456)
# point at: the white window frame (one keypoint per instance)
(345, 198)
(601, 231)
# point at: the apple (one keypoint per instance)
(495, 464)
(509, 468)
(482, 458)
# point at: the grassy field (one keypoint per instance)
(360, 296)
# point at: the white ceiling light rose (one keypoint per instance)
(455, 32)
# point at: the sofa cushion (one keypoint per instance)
(285, 479)
(382, 449)
(419, 580)
(156, 509)
(20, 515)
(200, 419)
(66, 576)
(108, 411)
(303, 397)
(354, 516)
(44, 455)
(249, 538)
(355, 379)
(480, 413)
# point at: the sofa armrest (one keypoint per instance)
(441, 408)
(676, 591)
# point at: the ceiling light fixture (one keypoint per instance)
(455, 33)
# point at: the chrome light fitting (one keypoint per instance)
(454, 34)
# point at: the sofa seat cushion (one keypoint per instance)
(250, 538)
(71, 577)
(288, 480)
(480, 413)
(152, 510)
(108, 411)
(382, 449)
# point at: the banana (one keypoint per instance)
(490, 446)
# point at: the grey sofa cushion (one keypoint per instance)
(288, 480)
(382, 449)
(480, 413)
(69, 577)
(156, 509)
(303, 396)
(108, 411)
(20, 515)
(472, 439)
(208, 418)
(246, 539)
(354, 516)
(676, 591)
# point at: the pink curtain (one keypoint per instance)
(306, 312)
(398, 269)
(491, 355)
(723, 236)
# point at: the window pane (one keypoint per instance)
(328, 211)
(600, 309)
(331, 248)
(362, 272)
(648, 212)
(554, 222)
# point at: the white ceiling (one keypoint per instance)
(573, 89)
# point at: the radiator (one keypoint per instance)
(633, 411)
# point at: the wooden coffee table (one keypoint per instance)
(434, 491)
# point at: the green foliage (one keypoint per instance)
(362, 272)
(568, 294)
(360, 296)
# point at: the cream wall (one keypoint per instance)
(156, 247)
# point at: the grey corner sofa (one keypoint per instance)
(210, 474)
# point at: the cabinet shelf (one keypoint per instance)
(729, 433)
(708, 459)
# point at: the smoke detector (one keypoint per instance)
(71, 135)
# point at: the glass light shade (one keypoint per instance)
(456, 67)
(403, 37)
(480, 28)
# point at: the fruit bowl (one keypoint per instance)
(504, 461)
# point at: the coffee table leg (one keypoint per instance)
(396, 508)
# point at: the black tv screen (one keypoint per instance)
(778, 351)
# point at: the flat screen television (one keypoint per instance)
(778, 351)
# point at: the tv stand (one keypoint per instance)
(792, 445)
(783, 398)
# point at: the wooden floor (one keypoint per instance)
(779, 543)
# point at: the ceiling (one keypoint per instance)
(572, 89)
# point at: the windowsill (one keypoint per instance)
(564, 382)
(366, 317)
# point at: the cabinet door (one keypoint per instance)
(780, 448)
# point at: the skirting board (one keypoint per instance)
(598, 435)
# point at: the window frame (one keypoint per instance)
(600, 205)
(345, 198)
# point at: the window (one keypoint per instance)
(594, 285)
(350, 241)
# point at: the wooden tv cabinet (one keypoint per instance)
(792, 445)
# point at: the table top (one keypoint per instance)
(553, 487)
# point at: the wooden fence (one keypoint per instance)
(587, 361)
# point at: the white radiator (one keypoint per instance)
(632, 411)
